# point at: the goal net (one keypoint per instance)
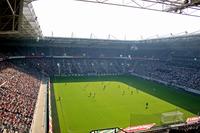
(172, 117)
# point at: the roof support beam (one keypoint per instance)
(10, 7)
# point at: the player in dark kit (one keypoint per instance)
(131, 92)
(147, 105)
(59, 99)
(90, 94)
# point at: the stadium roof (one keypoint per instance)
(18, 19)
(184, 7)
(29, 1)
(189, 41)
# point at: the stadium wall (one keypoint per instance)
(41, 112)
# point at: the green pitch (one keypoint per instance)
(86, 103)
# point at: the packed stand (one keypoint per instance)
(76, 66)
(18, 96)
(163, 70)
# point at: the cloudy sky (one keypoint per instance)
(64, 18)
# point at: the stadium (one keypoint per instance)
(86, 85)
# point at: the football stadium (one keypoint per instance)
(88, 85)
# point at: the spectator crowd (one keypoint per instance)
(18, 96)
(165, 71)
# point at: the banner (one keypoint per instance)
(111, 130)
(139, 128)
(193, 120)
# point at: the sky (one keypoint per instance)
(70, 18)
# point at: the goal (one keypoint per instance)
(172, 117)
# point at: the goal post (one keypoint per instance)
(172, 117)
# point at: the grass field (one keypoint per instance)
(86, 103)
